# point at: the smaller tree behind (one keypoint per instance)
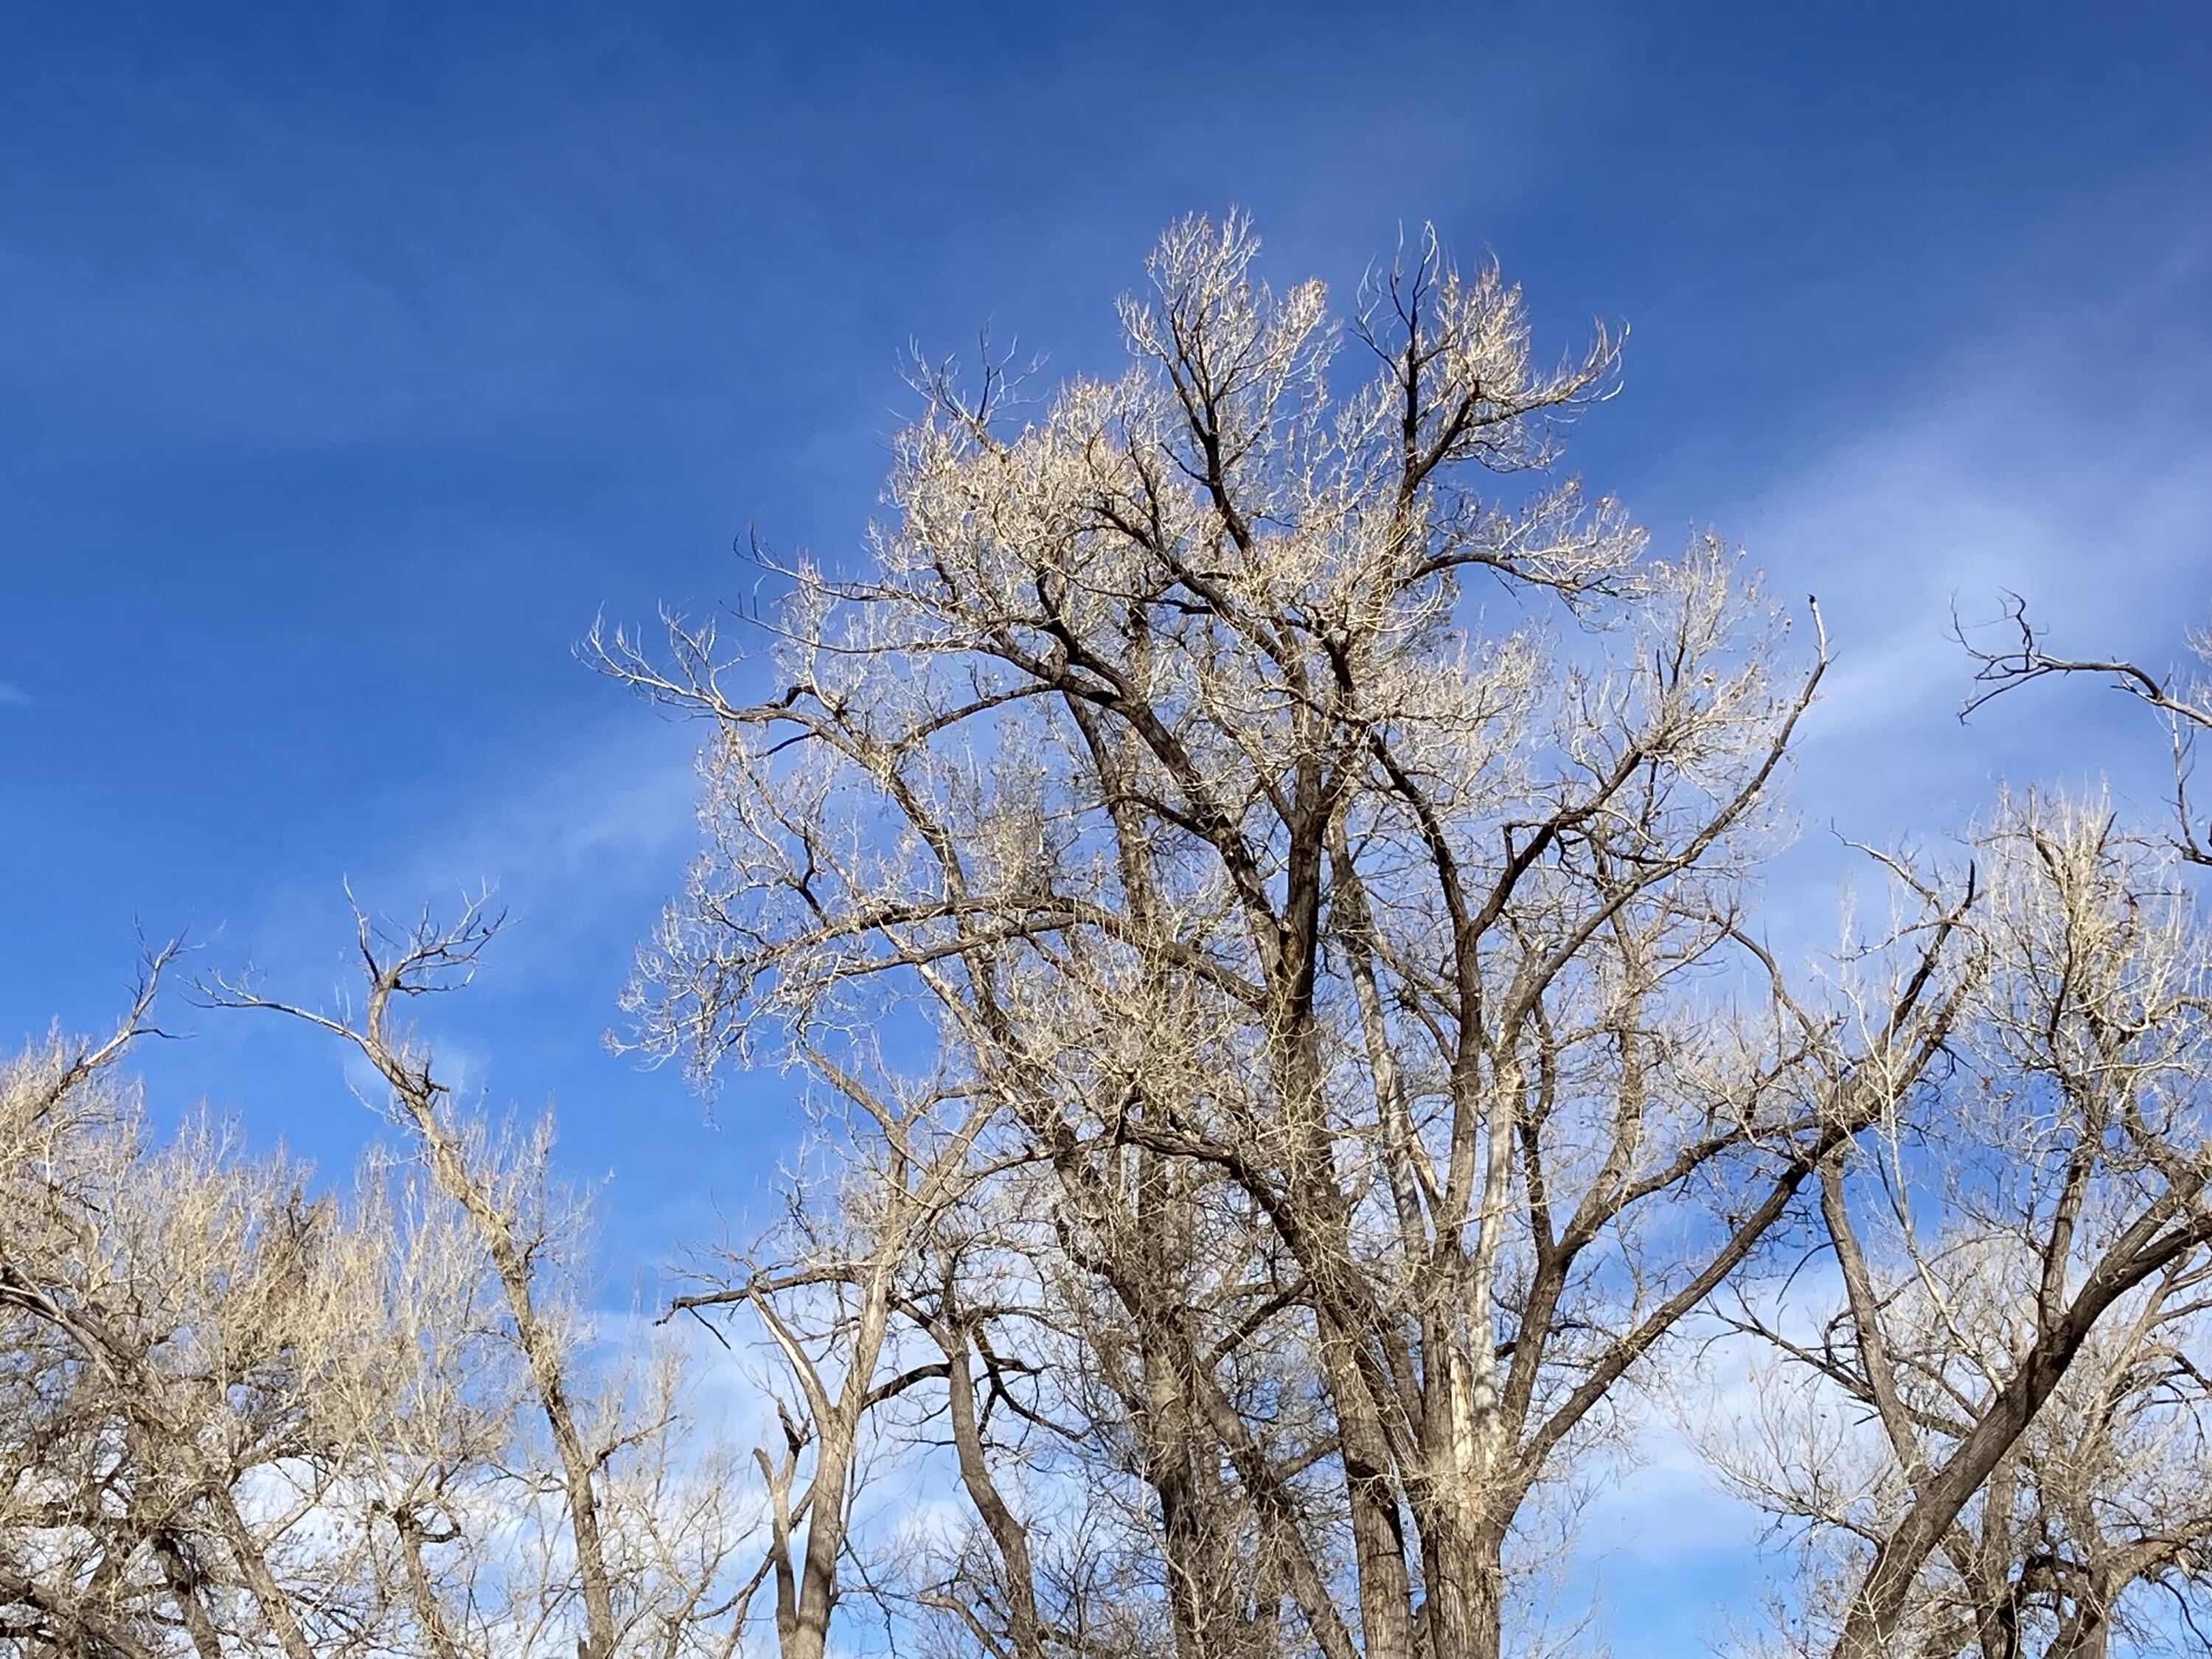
(2023, 1277)
(239, 1416)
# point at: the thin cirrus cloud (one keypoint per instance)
(1986, 479)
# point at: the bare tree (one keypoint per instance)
(1160, 780)
(426, 960)
(242, 1416)
(624, 1536)
(2022, 1275)
(826, 1291)
(1263, 872)
(163, 1307)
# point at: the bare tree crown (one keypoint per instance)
(1342, 941)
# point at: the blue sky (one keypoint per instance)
(354, 356)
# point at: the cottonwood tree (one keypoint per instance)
(1997, 1445)
(241, 1415)
(1164, 782)
(167, 1310)
(556, 1510)
(831, 1293)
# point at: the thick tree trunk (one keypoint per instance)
(1378, 1529)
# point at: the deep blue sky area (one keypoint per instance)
(353, 357)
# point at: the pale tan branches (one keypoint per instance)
(420, 961)
(1361, 983)
(167, 1307)
(2020, 1283)
(529, 1490)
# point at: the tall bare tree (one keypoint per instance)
(426, 960)
(636, 1552)
(1160, 778)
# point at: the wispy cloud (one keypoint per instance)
(568, 842)
(13, 696)
(579, 844)
(1989, 476)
